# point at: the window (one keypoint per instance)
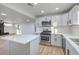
(18, 31)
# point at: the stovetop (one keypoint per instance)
(46, 33)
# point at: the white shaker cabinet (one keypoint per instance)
(34, 47)
(53, 40)
(64, 19)
(59, 40)
(57, 20)
(74, 15)
(56, 40)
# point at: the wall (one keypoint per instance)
(27, 28)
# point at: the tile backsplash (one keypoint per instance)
(75, 30)
(69, 30)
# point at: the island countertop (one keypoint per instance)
(23, 39)
(73, 44)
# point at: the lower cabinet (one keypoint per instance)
(14, 48)
(34, 47)
(31, 48)
(70, 49)
(56, 40)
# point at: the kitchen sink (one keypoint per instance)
(75, 40)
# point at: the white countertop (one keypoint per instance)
(23, 39)
(73, 44)
(71, 36)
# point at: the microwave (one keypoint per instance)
(46, 23)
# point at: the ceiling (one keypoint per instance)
(22, 11)
(35, 10)
(12, 16)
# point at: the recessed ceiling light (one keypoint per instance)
(57, 8)
(3, 14)
(42, 11)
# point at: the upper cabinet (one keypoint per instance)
(69, 18)
(74, 15)
(57, 21)
(65, 19)
(61, 20)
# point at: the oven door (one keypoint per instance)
(45, 37)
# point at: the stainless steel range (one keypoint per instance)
(46, 37)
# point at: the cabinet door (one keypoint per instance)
(64, 19)
(53, 40)
(58, 20)
(58, 40)
(75, 14)
(34, 47)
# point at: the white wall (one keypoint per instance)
(27, 28)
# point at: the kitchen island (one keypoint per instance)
(72, 48)
(19, 45)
